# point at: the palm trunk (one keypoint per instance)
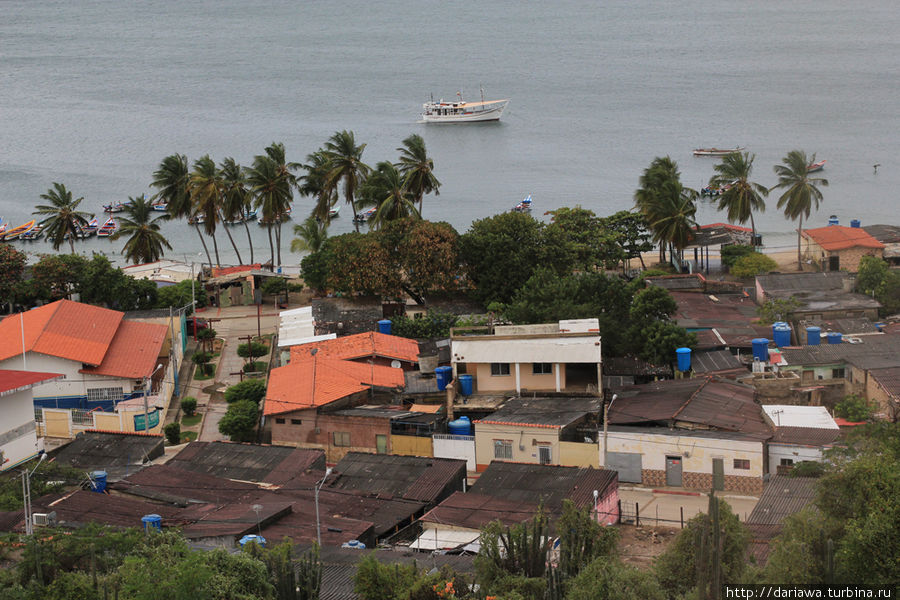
(353, 207)
(72, 243)
(216, 248)
(278, 240)
(230, 239)
(753, 227)
(799, 238)
(202, 241)
(249, 241)
(271, 245)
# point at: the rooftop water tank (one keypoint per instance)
(443, 376)
(834, 337)
(152, 522)
(354, 544)
(465, 384)
(683, 356)
(461, 426)
(98, 481)
(783, 336)
(253, 538)
(761, 349)
(833, 220)
(384, 326)
(812, 335)
(855, 223)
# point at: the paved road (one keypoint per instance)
(665, 508)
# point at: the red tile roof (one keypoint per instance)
(362, 345)
(838, 237)
(291, 387)
(133, 352)
(724, 226)
(66, 329)
(16, 381)
(219, 271)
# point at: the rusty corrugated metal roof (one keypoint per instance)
(422, 479)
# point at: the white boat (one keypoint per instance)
(524, 206)
(333, 212)
(462, 111)
(716, 151)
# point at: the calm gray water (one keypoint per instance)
(93, 93)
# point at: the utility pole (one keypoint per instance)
(606, 408)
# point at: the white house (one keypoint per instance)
(802, 433)
(18, 437)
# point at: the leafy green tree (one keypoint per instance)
(501, 253)
(145, 243)
(778, 309)
(582, 539)
(315, 268)
(631, 232)
(587, 237)
(206, 337)
(742, 196)
(609, 578)
(659, 340)
(652, 303)
(102, 284)
(253, 390)
(236, 198)
(345, 166)
(207, 189)
(252, 350)
(172, 179)
(752, 265)
(62, 219)
(424, 254)
(801, 191)
(853, 408)
(668, 206)
(173, 433)
(732, 252)
(189, 405)
(179, 295)
(433, 324)
(359, 264)
(202, 360)
(378, 581)
(876, 279)
(12, 265)
(417, 169)
(239, 421)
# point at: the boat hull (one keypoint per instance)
(475, 116)
(816, 166)
(716, 151)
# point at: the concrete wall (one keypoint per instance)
(524, 441)
(409, 445)
(455, 446)
(486, 383)
(697, 455)
(849, 257)
(317, 431)
(795, 453)
(18, 438)
(885, 405)
(576, 454)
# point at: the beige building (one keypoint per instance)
(838, 248)
(553, 357)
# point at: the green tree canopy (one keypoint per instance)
(740, 196)
(12, 265)
(62, 219)
(145, 243)
(801, 191)
(240, 421)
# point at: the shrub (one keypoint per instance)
(239, 421)
(255, 367)
(202, 360)
(432, 324)
(189, 405)
(752, 265)
(730, 254)
(853, 408)
(251, 389)
(808, 468)
(252, 350)
(173, 433)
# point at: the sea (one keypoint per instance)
(94, 93)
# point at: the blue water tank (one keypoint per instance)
(776, 325)
(834, 337)
(783, 336)
(879, 326)
(253, 538)
(98, 481)
(461, 426)
(152, 522)
(812, 335)
(833, 220)
(384, 326)
(354, 544)
(855, 223)
(683, 355)
(443, 376)
(465, 385)
(761, 349)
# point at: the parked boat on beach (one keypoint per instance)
(363, 217)
(3, 227)
(716, 151)
(91, 228)
(114, 208)
(160, 206)
(462, 111)
(15, 232)
(32, 234)
(108, 228)
(247, 216)
(816, 166)
(524, 206)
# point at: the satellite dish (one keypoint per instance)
(395, 364)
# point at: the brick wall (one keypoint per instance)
(653, 477)
(850, 257)
(703, 481)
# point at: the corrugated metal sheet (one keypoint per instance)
(782, 497)
(119, 454)
(421, 479)
(716, 361)
(520, 482)
(805, 436)
(248, 462)
(549, 412)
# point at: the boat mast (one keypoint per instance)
(482, 94)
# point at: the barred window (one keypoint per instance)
(499, 368)
(542, 368)
(113, 394)
(741, 463)
(503, 449)
(279, 421)
(341, 438)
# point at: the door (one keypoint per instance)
(673, 471)
(718, 474)
(544, 455)
(628, 465)
(381, 444)
(834, 263)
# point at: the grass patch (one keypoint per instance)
(191, 421)
(188, 436)
(199, 375)
(257, 366)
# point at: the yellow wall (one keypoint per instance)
(107, 421)
(485, 382)
(574, 454)
(56, 423)
(408, 445)
(526, 438)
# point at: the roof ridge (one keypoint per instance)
(692, 396)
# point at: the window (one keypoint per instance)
(742, 463)
(542, 368)
(279, 421)
(503, 449)
(341, 438)
(499, 368)
(296, 422)
(113, 394)
(787, 462)
(837, 373)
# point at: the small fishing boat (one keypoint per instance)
(712, 192)
(284, 217)
(334, 212)
(3, 227)
(32, 234)
(816, 166)
(462, 111)
(114, 208)
(160, 206)
(108, 228)
(15, 232)
(247, 216)
(524, 206)
(366, 216)
(198, 219)
(716, 151)
(91, 228)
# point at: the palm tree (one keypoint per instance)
(346, 166)
(800, 190)
(384, 188)
(743, 196)
(315, 184)
(63, 219)
(285, 169)
(668, 206)
(206, 194)
(271, 193)
(311, 235)
(236, 197)
(145, 243)
(417, 169)
(172, 179)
